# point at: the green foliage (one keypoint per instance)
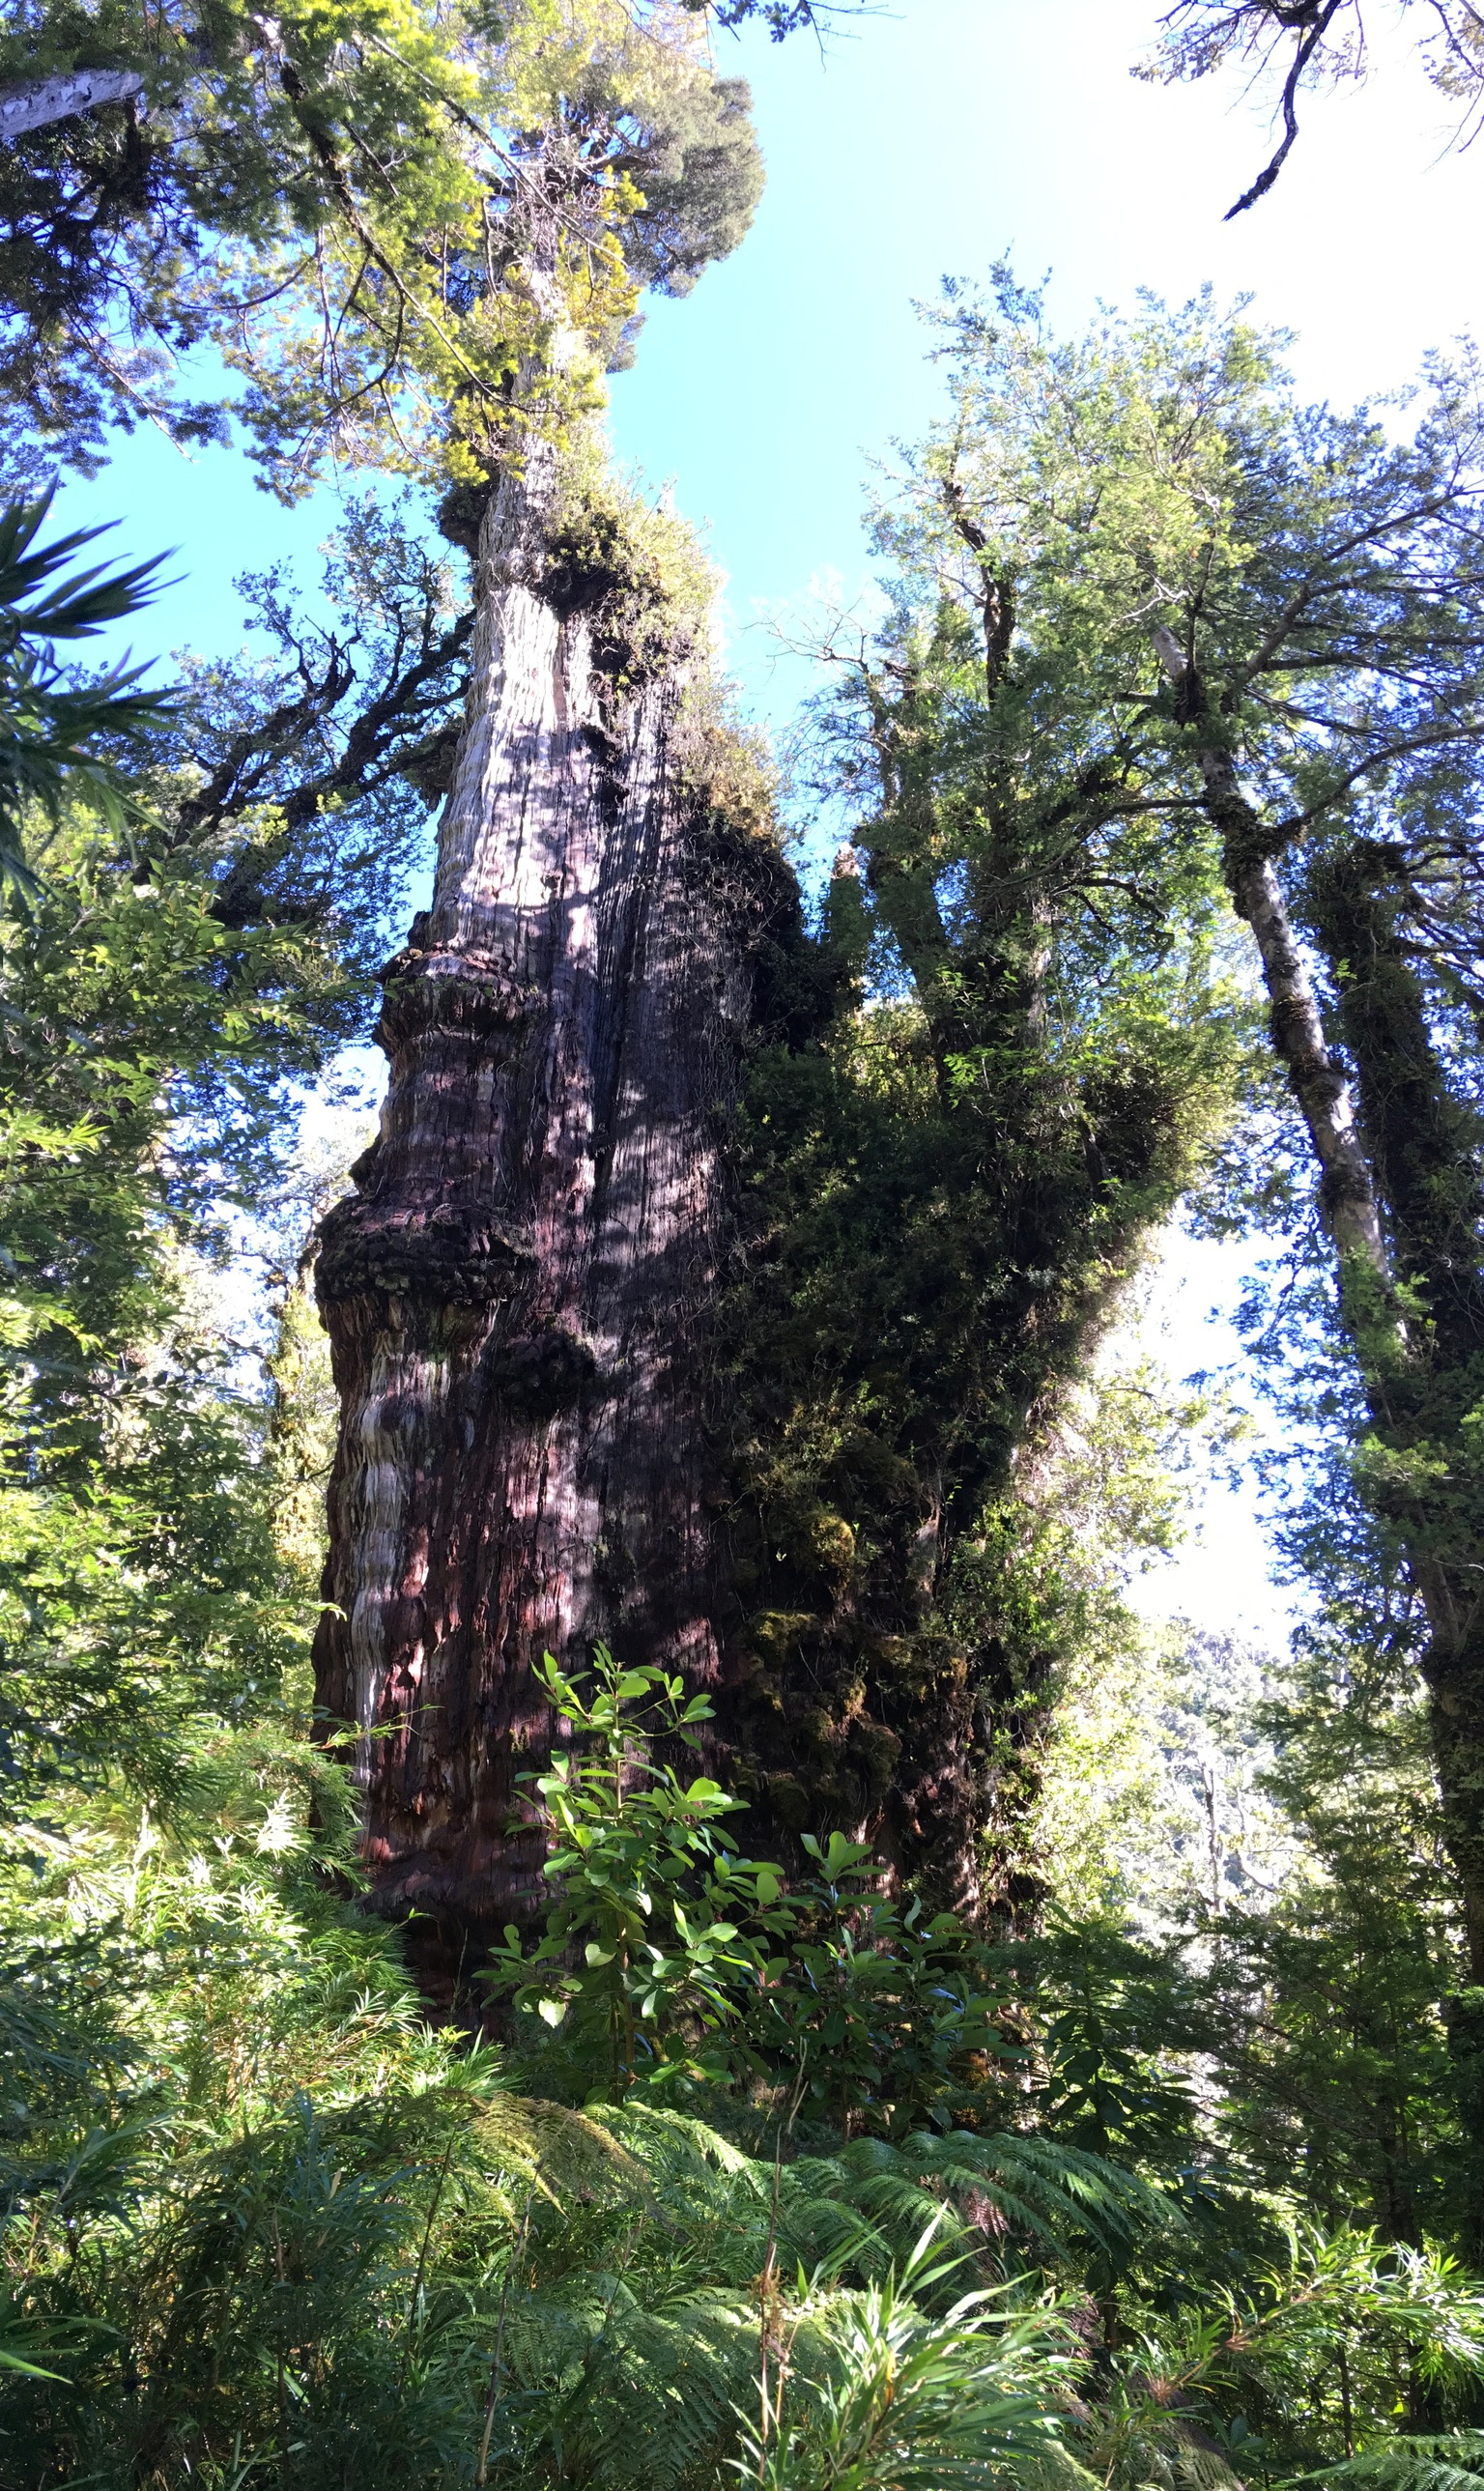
(146, 1050)
(870, 2013)
(300, 783)
(643, 1881)
(1336, 1986)
(1287, 1918)
(635, 570)
(1154, 624)
(1448, 2462)
(666, 1955)
(915, 2401)
(52, 726)
(213, 2255)
(259, 2213)
(342, 201)
(1025, 1041)
(285, 2225)
(1163, 2200)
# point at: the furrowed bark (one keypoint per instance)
(515, 1293)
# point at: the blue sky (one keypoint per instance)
(932, 139)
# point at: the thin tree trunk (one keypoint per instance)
(1409, 1151)
(1347, 1194)
(516, 1291)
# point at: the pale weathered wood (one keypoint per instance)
(34, 103)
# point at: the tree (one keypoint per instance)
(951, 1171)
(312, 774)
(530, 1237)
(521, 1294)
(151, 163)
(1281, 624)
(1329, 1991)
(210, 881)
(255, 2211)
(322, 198)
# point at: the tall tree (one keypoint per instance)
(512, 1289)
(321, 197)
(1281, 615)
(522, 1291)
(951, 1175)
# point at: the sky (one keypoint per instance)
(935, 137)
(932, 138)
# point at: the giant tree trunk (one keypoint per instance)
(515, 1292)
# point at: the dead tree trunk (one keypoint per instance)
(514, 1292)
(36, 103)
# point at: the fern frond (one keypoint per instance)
(1446, 2461)
(1044, 2194)
(564, 2153)
(675, 2146)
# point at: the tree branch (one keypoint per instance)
(34, 103)
(1308, 44)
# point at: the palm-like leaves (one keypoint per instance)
(910, 2402)
(52, 726)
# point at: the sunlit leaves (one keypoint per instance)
(381, 213)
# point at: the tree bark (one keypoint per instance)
(1412, 1291)
(34, 103)
(1425, 1146)
(517, 1291)
(1347, 1194)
